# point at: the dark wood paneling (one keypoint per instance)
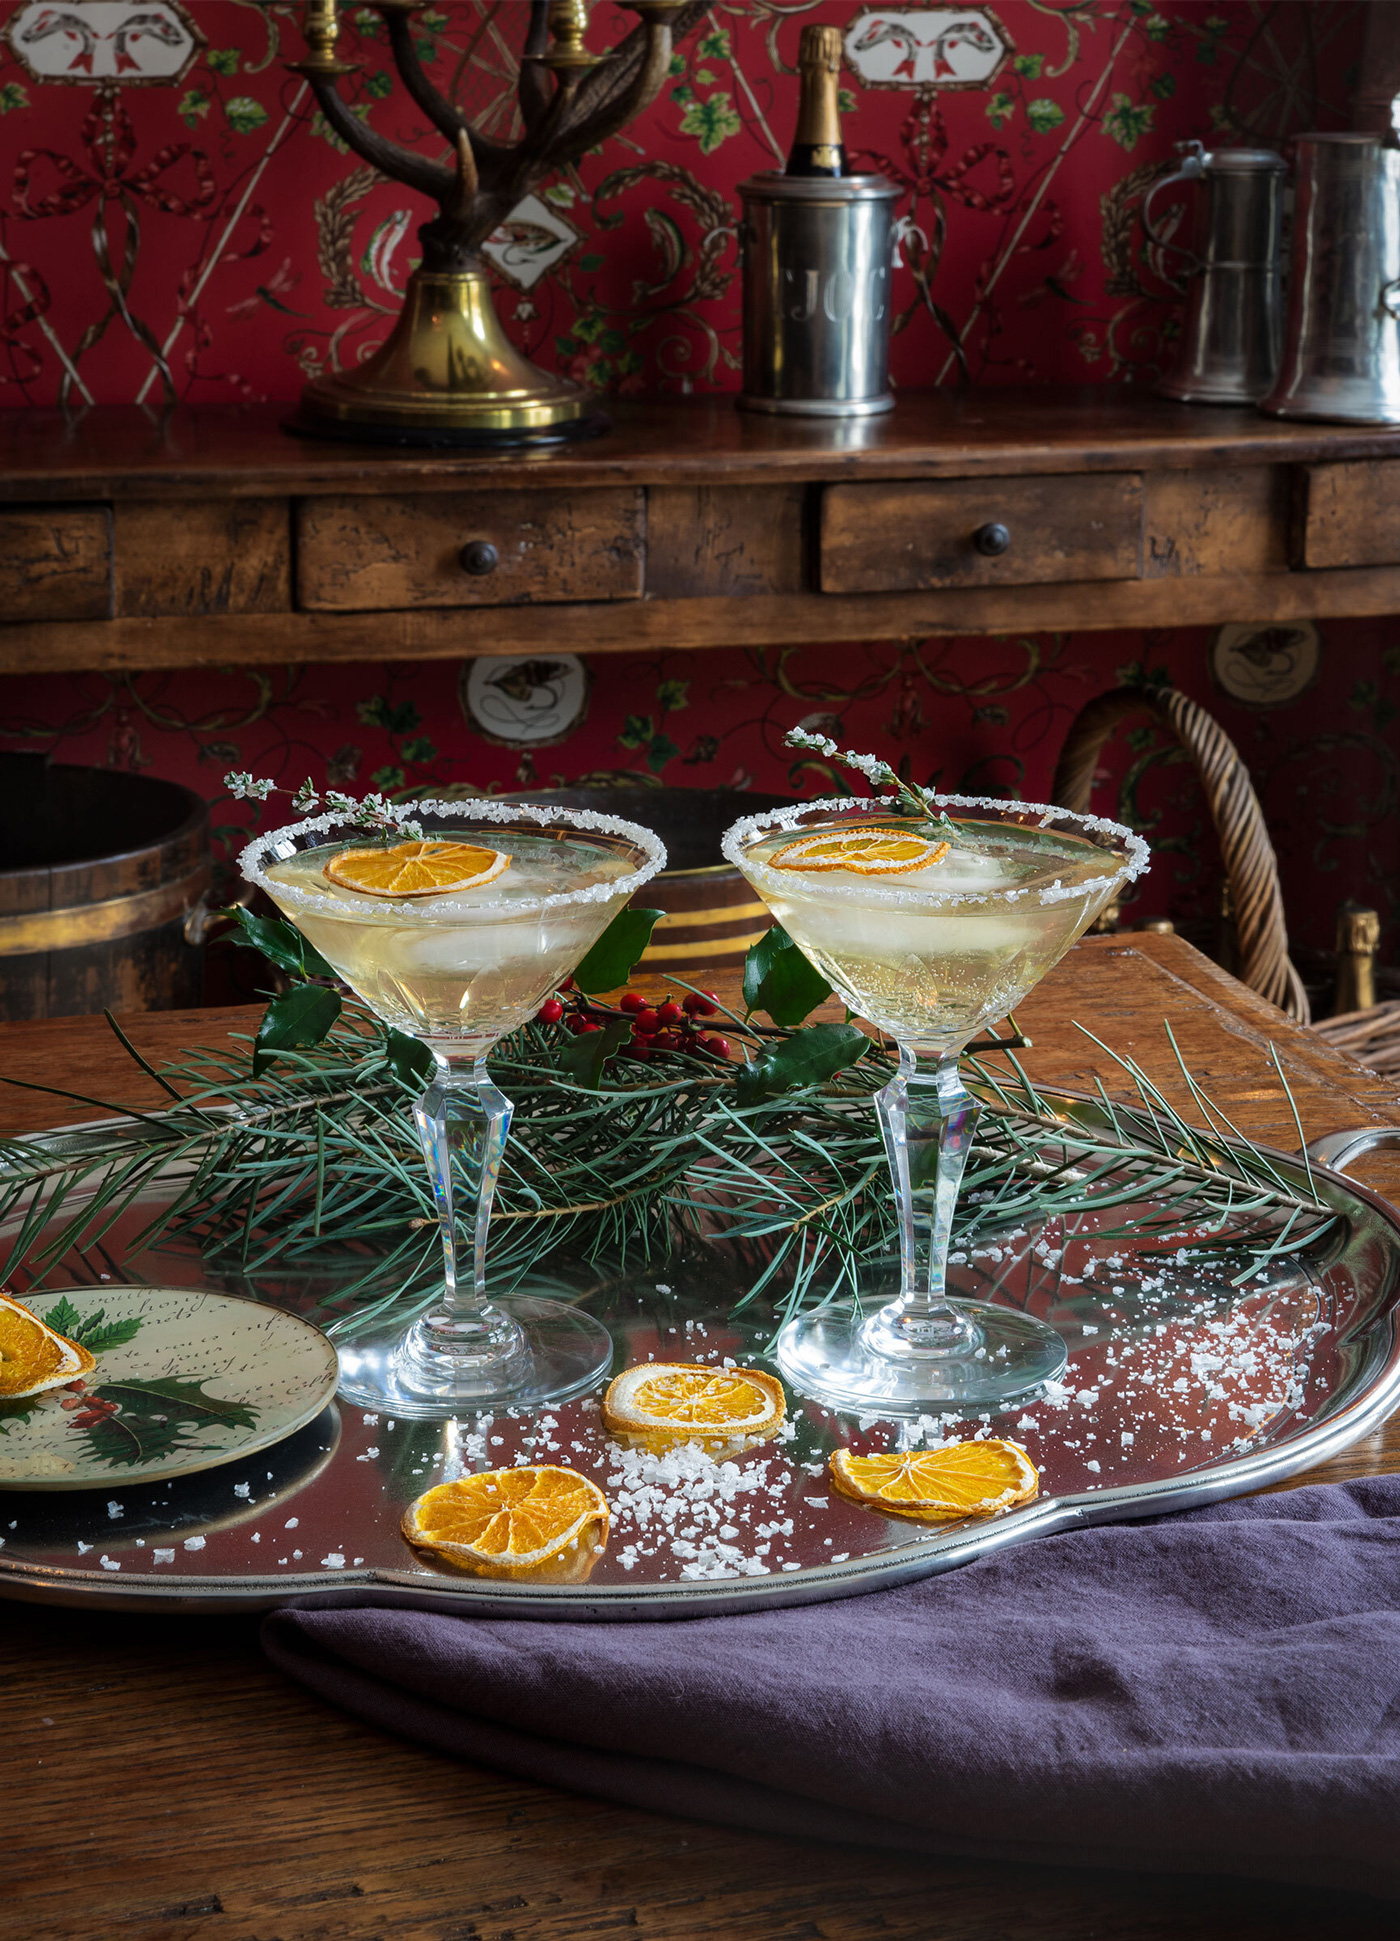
(1349, 515)
(56, 563)
(881, 538)
(647, 625)
(356, 554)
(213, 556)
(724, 540)
(1216, 523)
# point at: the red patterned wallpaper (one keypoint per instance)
(175, 223)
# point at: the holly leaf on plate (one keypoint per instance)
(13, 1412)
(159, 1418)
(63, 1318)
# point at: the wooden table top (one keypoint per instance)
(162, 1781)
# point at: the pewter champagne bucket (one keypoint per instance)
(1233, 328)
(817, 255)
(1341, 357)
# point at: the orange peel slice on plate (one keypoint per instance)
(513, 1522)
(416, 868)
(872, 851)
(939, 1485)
(662, 1403)
(33, 1356)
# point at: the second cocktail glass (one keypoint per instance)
(458, 969)
(930, 926)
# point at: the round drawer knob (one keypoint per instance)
(992, 539)
(479, 557)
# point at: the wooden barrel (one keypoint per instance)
(711, 914)
(103, 880)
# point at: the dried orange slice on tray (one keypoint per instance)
(416, 868)
(939, 1485)
(661, 1403)
(512, 1522)
(33, 1356)
(865, 851)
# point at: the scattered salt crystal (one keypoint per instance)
(244, 1490)
(334, 1561)
(194, 1543)
(108, 1563)
(369, 1454)
(291, 1523)
(296, 1553)
(1092, 1465)
(83, 1548)
(257, 1536)
(162, 1556)
(114, 1510)
(370, 1421)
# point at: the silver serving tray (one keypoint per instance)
(1181, 1390)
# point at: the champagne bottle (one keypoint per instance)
(817, 147)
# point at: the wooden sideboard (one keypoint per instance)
(690, 524)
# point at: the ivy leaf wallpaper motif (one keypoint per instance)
(205, 239)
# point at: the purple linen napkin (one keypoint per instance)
(1214, 1692)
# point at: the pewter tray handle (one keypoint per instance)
(1339, 1150)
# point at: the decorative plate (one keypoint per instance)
(185, 1380)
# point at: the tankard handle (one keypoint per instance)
(1192, 169)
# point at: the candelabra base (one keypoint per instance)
(448, 375)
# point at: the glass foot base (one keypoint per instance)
(825, 1357)
(563, 1353)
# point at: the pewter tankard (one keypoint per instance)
(1233, 329)
(1341, 357)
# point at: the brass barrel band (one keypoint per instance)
(75, 925)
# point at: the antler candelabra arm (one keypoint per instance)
(588, 102)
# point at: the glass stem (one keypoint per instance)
(463, 1120)
(927, 1118)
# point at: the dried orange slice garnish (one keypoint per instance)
(660, 1403)
(416, 868)
(865, 851)
(939, 1485)
(34, 1356)
(508, 1522)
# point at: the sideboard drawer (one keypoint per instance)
(56, 563)
(469, 549)
(1349, 514)
(903, 537)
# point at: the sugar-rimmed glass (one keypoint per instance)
(929, 956)
(457, 972)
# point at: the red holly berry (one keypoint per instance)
(670, 1012)
(567, 985)
(585, 1028)
(646, 1021)
(551, 1011)
(712, 1042)
(665, 1041)
(631, 1001)
(702, 1007)
(576, 1023)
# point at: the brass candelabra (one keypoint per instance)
(447, 373)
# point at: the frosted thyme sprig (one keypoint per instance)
(882, 778)
(367, 812)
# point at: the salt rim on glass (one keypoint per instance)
(254, 858)
(868, 889)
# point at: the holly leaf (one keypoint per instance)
(778, 979)
(12, 1412)
(611, 959)
(301, 1016)
(281, 943)
(584, 1059)
(808, 1057)
(160, 1418)
(408, 1058)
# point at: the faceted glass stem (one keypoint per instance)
(927, 1118)
(463, 1120)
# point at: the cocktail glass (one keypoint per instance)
(459, 971)
(930, 956)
